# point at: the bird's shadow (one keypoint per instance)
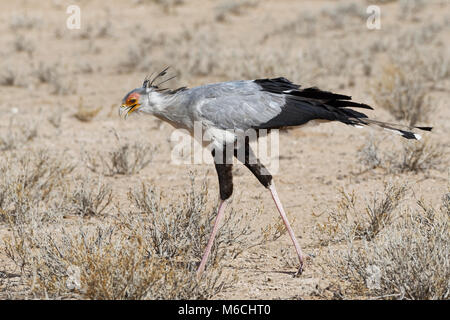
(291, 273)
(7, 275)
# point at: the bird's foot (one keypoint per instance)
(299, 271)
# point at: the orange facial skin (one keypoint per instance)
(132, 99)
(131, 103)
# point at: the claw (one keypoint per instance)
(299, 271)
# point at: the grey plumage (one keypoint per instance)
(258, 104)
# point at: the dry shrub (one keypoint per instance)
(44, 72)
(22, 44)
(104, 263)
(402, 94)
(410, 8)
(404, 82)
(85, 114)
(412, 156)
(55, 118)
(89, 199)
(435, 66)
(31, 182)
(18, 134)
(379, 1)
(168, 231)
(150, 254)
(351, 221)
(126, 159)
(52, 74)
(446, 203)
(13, 76)
(415, 37)
(369, 154)
(167, 5)
(85, 67)
(305, 25)
(408, 259)
(8, 76)
(26, 22)
(337, 17)
(137, 58)
(429, 67)
(417, 157)
(100, 29)
(200, 54)
(340, 15)
(232, 8)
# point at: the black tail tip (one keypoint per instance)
(425, 128)
(366, 106)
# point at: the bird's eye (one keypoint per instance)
(132, 100)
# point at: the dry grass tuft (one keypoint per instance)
(31, 183)
(11, 77)
(351, 221)
(232, 8)
(185, 219)
(105, 263)
(334, 16)
(55, 117)
(149, 254)
(138, 57)
(22, 44)
(402, 94)
(25, 22)
(89, 199)
(412, 156)
(52, 74)
(97, 30)
(168, 6)
(85, 114)
(369, 154)
(418, 157)
(408, 259)
(409, 9)
(8, 77)
(18, 134)
(126, 159)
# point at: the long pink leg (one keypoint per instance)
(221, 210)
(277, 201)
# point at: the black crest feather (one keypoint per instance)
(149, 82)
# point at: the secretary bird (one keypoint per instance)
(228, 110)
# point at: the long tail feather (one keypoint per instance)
(403, 130)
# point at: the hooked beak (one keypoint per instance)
(128, 109)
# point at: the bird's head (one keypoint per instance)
(145, 98)
(133, 101)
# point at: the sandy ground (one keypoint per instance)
(96, 65)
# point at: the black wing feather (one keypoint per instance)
(303, 105)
